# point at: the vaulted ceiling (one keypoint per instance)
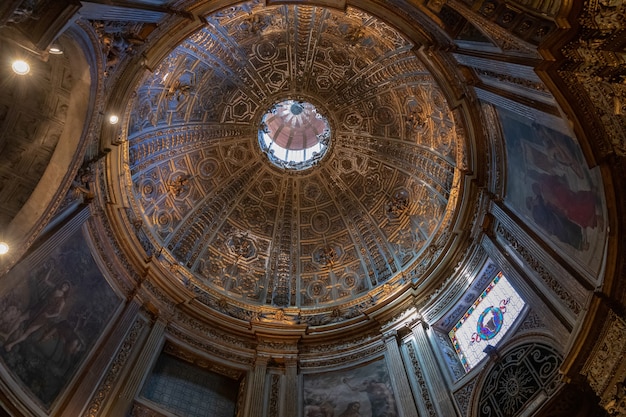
(193, 219)
(362, 217)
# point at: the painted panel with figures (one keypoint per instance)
(52, 317)
(360, 392)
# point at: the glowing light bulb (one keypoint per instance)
(4, 248)
(113, 119)
(55, 50)
(20, 67)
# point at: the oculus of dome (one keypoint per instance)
(294, 134)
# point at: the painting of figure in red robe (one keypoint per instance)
(550, 185)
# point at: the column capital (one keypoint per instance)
(261, 359)
(390, 335)
(291, 361)
(416, 321)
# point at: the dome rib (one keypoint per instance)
(256, 232)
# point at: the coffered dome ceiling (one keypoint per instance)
(369, 216)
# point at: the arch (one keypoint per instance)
(69, 150)
(521, 376)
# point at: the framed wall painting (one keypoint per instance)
(550, 186)
(55, 306)
(365, 391)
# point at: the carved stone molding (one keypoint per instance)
(540, 264)
(491, 25)
(616, 405)
(463, 396)
(201, 362)
(531, 322)
(274, 397)
(605, 369)
(116, 368)
(594, 73)
(142, 410)
(421, 381)
(349, 357)
(481, 280)
(213, 348)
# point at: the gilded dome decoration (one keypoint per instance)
(333, 233)
(310, 208)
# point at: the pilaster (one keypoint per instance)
(290, 401)
(399, 379)
(126, 327)
(128, 388)
(435, 382)
(256, 388)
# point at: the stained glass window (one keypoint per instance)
(486, 321)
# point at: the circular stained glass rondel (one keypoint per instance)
(294, 135)
(489, 323)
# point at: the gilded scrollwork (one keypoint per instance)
(594, 72)
(208, 202)
(604, 363)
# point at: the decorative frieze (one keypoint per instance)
(532, 321)
(605, 362)
(463, 397)
(273, 408)
(495, 145)
(540, 269)
(214, 349)
(197, 360)
(421, 381)
(347, 358)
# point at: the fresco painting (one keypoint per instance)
(52, 317)
(361, 392)
(549, 184)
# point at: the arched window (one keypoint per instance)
(486, 322)
(522, 375)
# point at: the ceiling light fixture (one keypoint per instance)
(20, 67)
(4, 248)
(55, 49)
(113, 119)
